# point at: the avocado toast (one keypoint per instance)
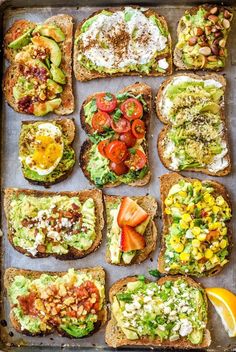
(192, 107)
(117, 150)
(171, 312)
(67, 225)
(72, 302)
(39, 78)
(196, 237)
(45, 150)
(122, 41)
(202, 38)
(131, 231)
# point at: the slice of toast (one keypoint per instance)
(206, 64)
(166, 182)
(149, 204)
(163, 118)
(97, 273)
(115, 337)
(135, 89)
(84, 74)
(65, 23)
(68, 131)
(73, 253)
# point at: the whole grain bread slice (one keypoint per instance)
(84, 74)
(73, 253)
(166, 182)
(135, 89)
(114, 336)
(163, 133)
(65, 22)
(97, 273)
(149, 204)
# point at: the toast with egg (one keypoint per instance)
(84, 72)
(96, 275)
(137, 89)
(148, 230)
(115, 337)
(59, 90)
(164, 139)
(168, 181)
(77, 218)
(45, 150)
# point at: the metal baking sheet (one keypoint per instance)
(12, 177)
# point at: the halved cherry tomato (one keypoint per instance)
(116, 151)
(137, 160)
(101, 147)
(119, 169)
(122, 125)
(128, 138)
(106, 102)
(130, 213)
(101, 120)
(132, 109)
(138, 128)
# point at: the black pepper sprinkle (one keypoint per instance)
(11, 334)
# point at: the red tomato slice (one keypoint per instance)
(128, 138)
(130, 213)
(138, 128)
(131, 240)
(101, 121)
(106, 102)
(137, 160)
(132, 109)
(116, 151)
(101, 147)
(119, 169)
(121, 126)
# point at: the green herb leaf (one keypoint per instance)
(132, 151)
(141, 278)
(90, 108)
(116, 116)
(155, 273)
(97, 137)
(108, 97)
(125, 297)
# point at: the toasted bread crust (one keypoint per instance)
(96, 272)
(84, 74)
(163, 133)
(149, 204)
(73, 253)
(137, 88)
(13, 72)
(166, 182)
(114, 336)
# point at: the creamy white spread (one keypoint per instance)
(113, 42)
(163, 64)
(220, 162)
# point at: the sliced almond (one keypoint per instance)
(208, 30)
(222, 43)
(198, 31)
(205, 50)
(227, 14)
(192, 41)
(213, 18)
(226, 23)
(214, 10)
(212, 58)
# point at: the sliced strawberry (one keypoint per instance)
(130, 213)
(131, 240)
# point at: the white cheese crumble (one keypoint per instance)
(163, 64)
(219, 162)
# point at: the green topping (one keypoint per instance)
(50, 30)
(21, 41)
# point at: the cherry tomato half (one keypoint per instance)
(116, 151)
(137, 160)
(119, 169)
(101, 147)
(138, 128)
(100, 121)
(128, 138)
(106, 102)
(122, 125)
(132, 109)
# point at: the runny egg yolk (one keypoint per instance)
(47, 151)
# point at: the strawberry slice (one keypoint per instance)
(130, 213)
(131, 240)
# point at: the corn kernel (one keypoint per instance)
(195, 251)
(168, 201)
(220, 200)
(201, 236)
(208, 253)
(186, 218)
(184, 256)
(215, 259)
(178, 247)
(196, 231)
(191, 225)
(215, 209)
(190, 207)
(183, 194)
(223, 243)
(183, 225)
(174, 240)
(224, 262)
(199, 256)
(215, 225)
(197, 185)
(167, 211)
(196, 243)
(209, 199)
(223, 231)
(174, 266)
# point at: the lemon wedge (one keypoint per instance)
(224, 302)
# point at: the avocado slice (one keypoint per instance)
(53, 89)
(21, 41)
(211, 107)
(196, 336)
(41, 109)
(50, 30)
(57, 74)
(55, 51)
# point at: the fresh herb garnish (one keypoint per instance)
(97, 137)
(141, 278)
(125, 297)
(116, 116)
(108, 97)
(155, 273)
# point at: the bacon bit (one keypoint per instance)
(212, 235)
(75, 207)
(25, 104)
(27, 303)
(204, 213)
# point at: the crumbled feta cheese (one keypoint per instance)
(186, 327)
